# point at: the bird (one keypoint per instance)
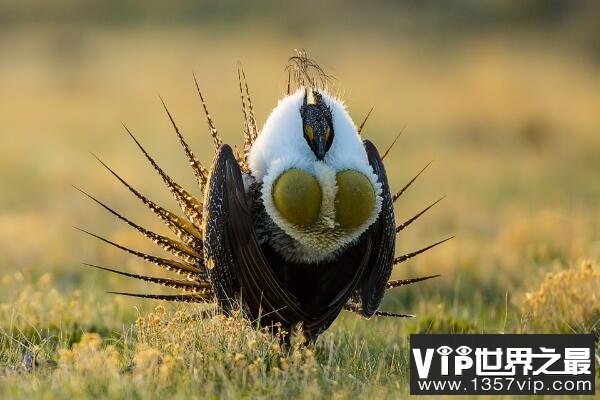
(294, 228)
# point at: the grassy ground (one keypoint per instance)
(510, 120)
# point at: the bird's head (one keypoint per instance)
(317, 123)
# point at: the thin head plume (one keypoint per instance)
(200, 171)
(190, 206)
(211, 125)
(403, 282)
(306, 72)
(289, 89)
(185, 285)
(414, 218)
(170, 265)
(184, 230)
(393, 143)
(362, 125)
(186, 298)
(401, 191)
(408, 256)
(178, 249)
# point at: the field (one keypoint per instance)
(508, 116)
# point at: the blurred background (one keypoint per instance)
(503, 96)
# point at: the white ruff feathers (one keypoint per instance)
(281, 146)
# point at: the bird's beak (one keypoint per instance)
(319, 146)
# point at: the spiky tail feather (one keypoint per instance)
(355, 308)
(211, 125)
(408, 256)
(387, 151)
(184, 230)
(200, 171)
(190, 206)
(401, 191)
(186, 298)
(178, 249)
(200, 287)
(414, 218)
(166, 263)
(403, 282)
(362, 125)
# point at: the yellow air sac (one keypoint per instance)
(297, 197)
(355, 199)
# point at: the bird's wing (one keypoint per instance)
(237, 265)
(383, 237)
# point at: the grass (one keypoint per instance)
(65, 346)
(512, 130)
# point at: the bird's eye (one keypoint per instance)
(308, 131)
